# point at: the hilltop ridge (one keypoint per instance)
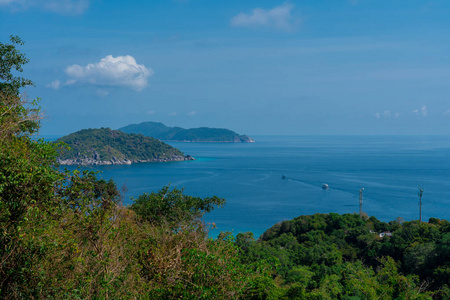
(177, 134)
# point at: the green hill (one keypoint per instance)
(178, 134)
(105, 146)
(332, 256)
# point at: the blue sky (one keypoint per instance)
(256, 67)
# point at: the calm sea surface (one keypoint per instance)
(249, 177)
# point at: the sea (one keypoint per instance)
(278, 178)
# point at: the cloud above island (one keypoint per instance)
(122, 71)
(279, 17)
(386, 114)
(422, 111)
(65, 7)
(55, 84)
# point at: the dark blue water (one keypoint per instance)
(248, 176)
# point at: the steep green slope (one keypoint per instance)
(178, 134)
(156, 130)
(105, 146)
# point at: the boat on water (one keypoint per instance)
(325, 186)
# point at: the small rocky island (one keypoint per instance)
(112, 147)
(177, 134)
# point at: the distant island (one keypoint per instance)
(112, 147)
(177, 134)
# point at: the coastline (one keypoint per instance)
(226, 142)
(114, 161)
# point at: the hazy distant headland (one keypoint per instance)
(177, 134)
(112, 147)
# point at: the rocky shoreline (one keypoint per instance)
(85, 161)
(241, 140)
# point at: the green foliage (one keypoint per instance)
(199, 268)
(17, 117)
(27, 180)
(331, 256)
(27, 173)
(11, 59)
(244, 240)
(172, 207)
(263, 288)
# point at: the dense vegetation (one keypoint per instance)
(106, 145)
(202, 134)
(331, 256)
(66, 235)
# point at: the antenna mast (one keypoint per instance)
(360, 202)
(420, 204)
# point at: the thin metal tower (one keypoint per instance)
(360, 202)
(420, 204)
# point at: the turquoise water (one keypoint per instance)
(249, 177)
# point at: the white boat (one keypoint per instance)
(325, 186)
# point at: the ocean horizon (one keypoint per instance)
(391, 169)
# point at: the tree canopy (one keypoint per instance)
(18, 115)
(12, 59)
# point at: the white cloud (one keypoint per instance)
(151, 112)
(71, 7)
(70, 82)
(54, 84)
(447, 113)
(386, 114)
(422, 111)
(173, 114)
(192, 113)
(279, 17)
(111, 71)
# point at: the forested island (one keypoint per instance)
(104, 146)
(67, 235)
(178, 134)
